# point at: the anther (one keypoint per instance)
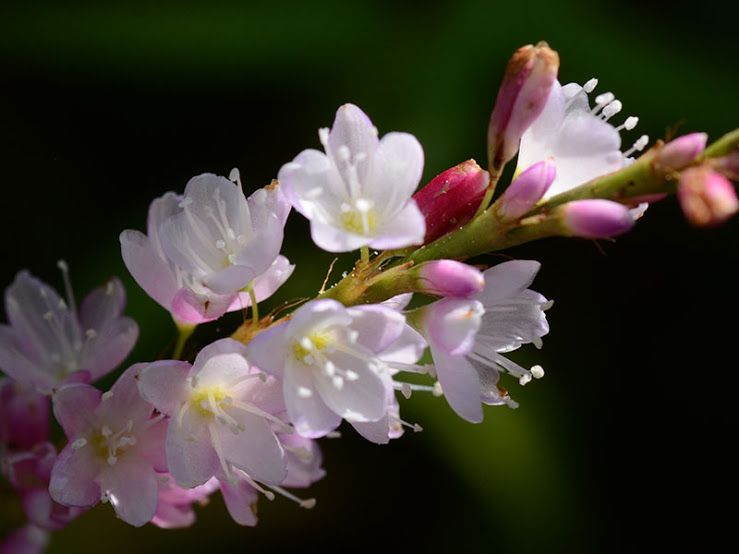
(605, 98)
(107, 395)
(612, 109)
(639, 145)
(79, 443)
(91, 333)
(629, 123)
(590, 85)
(537, 371)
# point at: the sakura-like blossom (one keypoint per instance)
(205, 250)
(580, 139)
(115, 449)
(468, 337)
(222, 412)
(329, 359)
(49, 339)
(358, 193)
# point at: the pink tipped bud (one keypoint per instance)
(526, 85)
(526, 190)
(680, 152)
(595, 218)
(706, 197)
(448, 278)
(451, 199)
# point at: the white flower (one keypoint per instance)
(468, 336)
(329, 358)
(359, 192)
(583, 144)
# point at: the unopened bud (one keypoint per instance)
(526, 190)
(679, 153)
(451, 199)
(448, 278)
(595, 218)
(706, 197)
(528, 80)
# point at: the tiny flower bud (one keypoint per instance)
(526, 190)
(448, 278)
(680, 152)
(528, 80)
(706, 197)
(595, 218)
(450, 199)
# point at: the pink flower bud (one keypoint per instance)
(706, 197)
(526, 190)
(451, 198)
(448, 278)
(680, 152)
(528, 80)
(595, 218)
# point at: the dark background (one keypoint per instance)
(625, 445)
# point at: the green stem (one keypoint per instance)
(184, 331)
(254, 305)
(723, 146)
(364, 251)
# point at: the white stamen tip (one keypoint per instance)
(270, 495)
(612, 108)
(641, 142)
(112, 460)
(79, 443)
(405, 390)
(308, 504)
(631, 122)
(107, 395)
(537, 371)
(234, 175)
(590, 85)
(417, 428)
(436, 390)
(525, 378)
(605, 98)
(91, 333)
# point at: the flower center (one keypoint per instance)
(206, 400)
(359, 218)
(310, 345)
(109, 444)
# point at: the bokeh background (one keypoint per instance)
(626, 444)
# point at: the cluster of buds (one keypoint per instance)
(244, 414)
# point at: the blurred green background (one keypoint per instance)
(625, 445)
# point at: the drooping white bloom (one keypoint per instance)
(329, 358)
(222, 412)
(468, 337)
(205, 249)
(49, 338)
(358, 193)
(580, 139)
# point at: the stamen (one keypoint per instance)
(611, 109)
(62, 265)
(629, 123)
(79, 443)
(590, 85)
(308, 503)
(106, 395)
(537, 371)
(639, 145)
(235, 176)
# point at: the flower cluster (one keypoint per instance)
(245, 415)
